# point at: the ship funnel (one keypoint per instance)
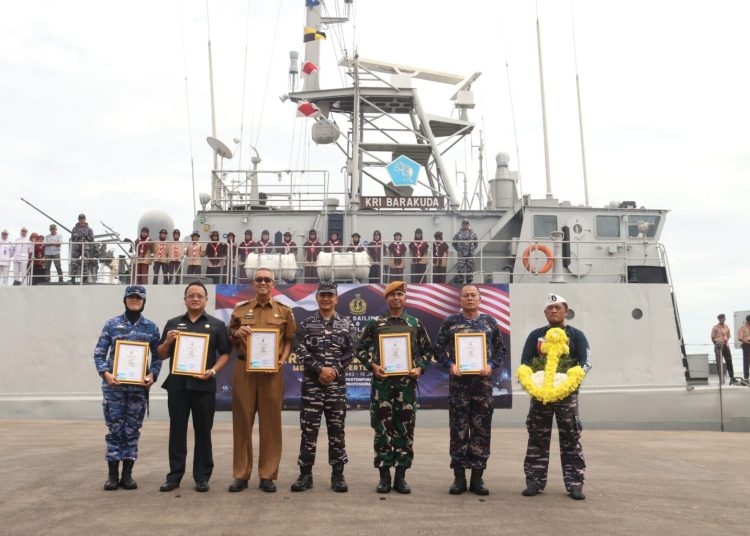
(503, 186)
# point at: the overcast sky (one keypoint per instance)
(94, 114)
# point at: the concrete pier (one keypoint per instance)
(638, 482)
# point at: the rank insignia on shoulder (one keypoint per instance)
(243, 302)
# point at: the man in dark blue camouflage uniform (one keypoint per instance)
(125, 404)
(325, 345)
(393, 403)
(465, 243)
(470, 402)
(539, 421)
(80, 234)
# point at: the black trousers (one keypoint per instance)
(202, 405)
(746, 361)
(417, 273)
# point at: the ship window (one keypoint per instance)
(635, 221)
(608, 226)
(544, 225)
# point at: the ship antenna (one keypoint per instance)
(512, 106)
(244, 86)
(544, 106)
(211, 83)
(580, 113)
(187, 109)
(268, 73)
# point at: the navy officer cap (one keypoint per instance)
(135, 290)
(327, 287)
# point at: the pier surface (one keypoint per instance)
(638, 482)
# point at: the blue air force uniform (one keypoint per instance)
(124, 405)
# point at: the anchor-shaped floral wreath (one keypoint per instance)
(555, 380)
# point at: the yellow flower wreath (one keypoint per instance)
(549, 385)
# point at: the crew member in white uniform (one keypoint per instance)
(22, 249)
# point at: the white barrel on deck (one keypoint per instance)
(344, 266)
(269, 261)
(288, 266)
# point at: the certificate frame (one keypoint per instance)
(184, 336)
(273, 343)
(123, 372)
(400, 339)
(481, 338)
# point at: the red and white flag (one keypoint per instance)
(307, 109)
(309, 67)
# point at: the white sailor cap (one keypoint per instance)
(552, 299)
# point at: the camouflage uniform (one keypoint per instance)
(124, 405)
(465, 243)
(321, 343)
(470, 402)
(80, 233)
(539, 420)
(393, 399)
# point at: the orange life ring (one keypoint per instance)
(544, 249)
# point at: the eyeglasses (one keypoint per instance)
(195, 297)
(264, 280)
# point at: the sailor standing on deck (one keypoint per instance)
(125, 404)
(539, 420)
(374, 250)
(418, 249)
(21, 255)
(325, 345)
(470, 402)
(396, 254)
(258, 392)
(6, 254)
(465, 243)
(393, 403)
(310, 251)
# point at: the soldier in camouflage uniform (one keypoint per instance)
(325, 345)
(465, 243)
(539, 421)
(125, 404)
(393, 399)
(470, 402)
(81, 233)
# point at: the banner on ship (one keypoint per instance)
(431, 303)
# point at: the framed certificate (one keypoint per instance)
(262, 351)
(395, 353)
(190, 353)
(131, 360)
(471, 352)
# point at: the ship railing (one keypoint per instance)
(480, 261)
(287, 189)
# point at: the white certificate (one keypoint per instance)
(190, 353)
(471, 352)
(131, 359)
(262, 350)
(395, 353)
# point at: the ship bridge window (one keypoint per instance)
(637, 222)
(608, 226)
(544, 225)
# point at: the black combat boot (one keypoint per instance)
(399, 481)
(477, 484)
(531, 490)
(459, 481)
(304, 480)
(576, 494)
(337, 479)
(126, 480)
(384, 485)
(114, 475)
